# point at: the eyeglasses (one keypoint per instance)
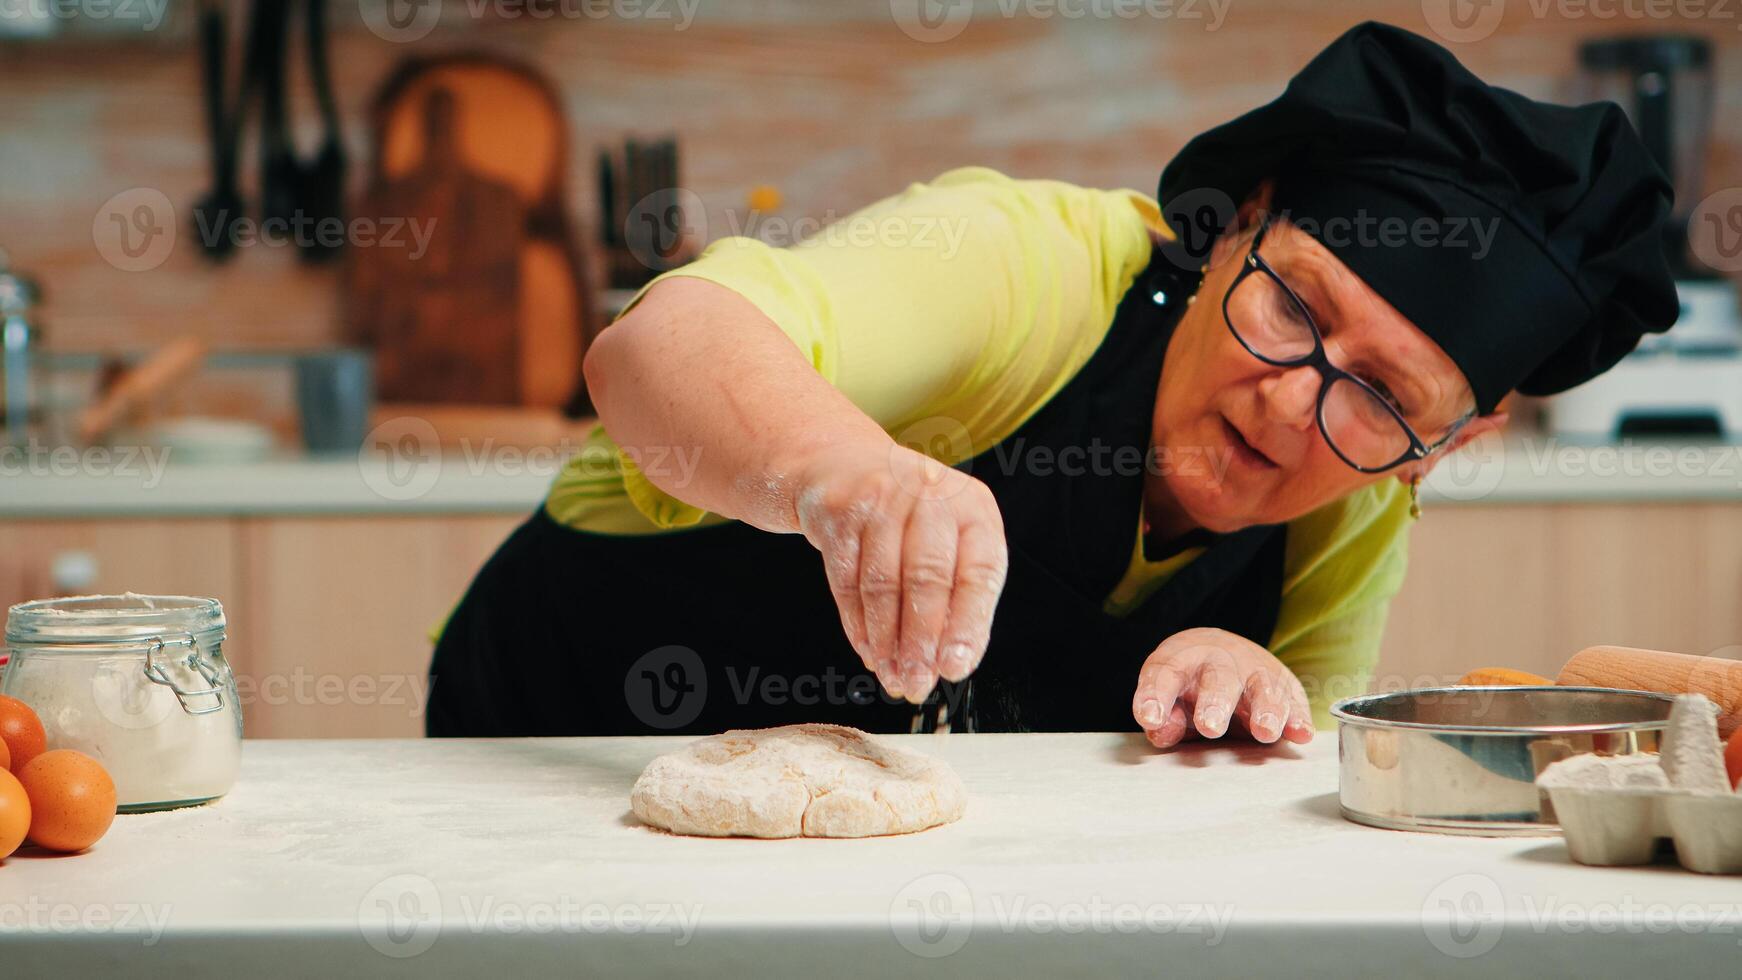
(1361, 424)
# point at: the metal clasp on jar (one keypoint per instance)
(155, 673)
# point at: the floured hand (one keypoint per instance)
(1201, 680)
(916, 558)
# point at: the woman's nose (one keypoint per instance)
(1290, 396)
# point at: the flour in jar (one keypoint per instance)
(154, 749)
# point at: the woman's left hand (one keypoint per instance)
(1199, 680)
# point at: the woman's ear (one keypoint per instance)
(1246, 217)
(1477, 427)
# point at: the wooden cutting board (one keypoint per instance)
(492, 305)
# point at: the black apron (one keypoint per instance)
(568, 632)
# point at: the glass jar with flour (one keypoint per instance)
(138, 683)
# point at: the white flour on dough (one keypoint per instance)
(796, 781)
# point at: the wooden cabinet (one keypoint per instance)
(1529, 585)
(341, 610)
(195, 556)
(329, 617)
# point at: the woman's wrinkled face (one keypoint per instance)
(1238, 439)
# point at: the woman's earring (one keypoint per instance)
(1415, 497)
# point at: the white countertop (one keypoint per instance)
(1536, 469)
(345, 484)
(1079, 855)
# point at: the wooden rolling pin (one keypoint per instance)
(166, 366)
(1666, 673)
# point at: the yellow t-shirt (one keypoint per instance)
(957, 309)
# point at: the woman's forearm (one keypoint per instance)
(716, 406)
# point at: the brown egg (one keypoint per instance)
(72, 800)
(22, 732)
(14, 813)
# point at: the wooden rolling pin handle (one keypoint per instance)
(1666, 673)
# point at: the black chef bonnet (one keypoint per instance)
(1526, 239)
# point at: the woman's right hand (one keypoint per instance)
(915, 556)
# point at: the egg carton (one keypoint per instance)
(1617, 810)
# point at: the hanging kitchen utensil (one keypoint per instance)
(216, 215)
(322, 180)
(280, 173)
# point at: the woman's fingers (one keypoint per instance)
(1264, 705)
(880, 594)
(928, 575)
(982, 562)
(838, 542)
(1172, 731)
(1161, 683)
(1218, 692)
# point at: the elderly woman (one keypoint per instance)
(1093, 461)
